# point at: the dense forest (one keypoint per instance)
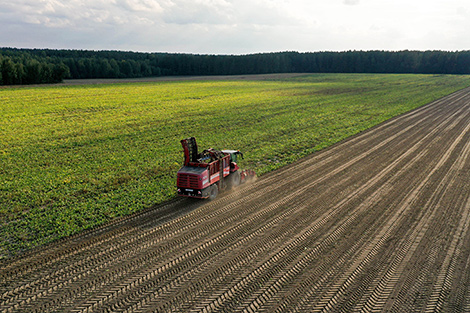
(36, 66)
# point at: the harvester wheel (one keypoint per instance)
(213, 192)
(234, 179)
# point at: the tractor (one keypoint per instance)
(206, 173)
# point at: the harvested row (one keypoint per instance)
(378, 222)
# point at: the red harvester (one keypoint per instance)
(205, 173)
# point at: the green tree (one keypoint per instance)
(59, 72)
(32, 72)
(9, 74)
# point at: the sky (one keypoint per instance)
(236, 26)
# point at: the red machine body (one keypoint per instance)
(205, 173)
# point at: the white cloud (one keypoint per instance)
(235, 26)
(143, 5)
(351, 2)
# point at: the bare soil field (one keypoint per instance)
(377, 223)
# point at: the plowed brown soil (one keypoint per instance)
(379, 222)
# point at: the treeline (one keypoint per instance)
(19, 67)
(31, 66)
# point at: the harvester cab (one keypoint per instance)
(233, 155)
(204, 174)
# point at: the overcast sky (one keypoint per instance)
(236, 26)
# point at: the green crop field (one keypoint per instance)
(73, 157)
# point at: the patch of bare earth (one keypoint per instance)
(379, 222)
(179, 78)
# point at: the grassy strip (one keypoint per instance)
(73, 157)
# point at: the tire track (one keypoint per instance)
(379, 238)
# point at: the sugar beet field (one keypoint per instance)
(378, 221)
